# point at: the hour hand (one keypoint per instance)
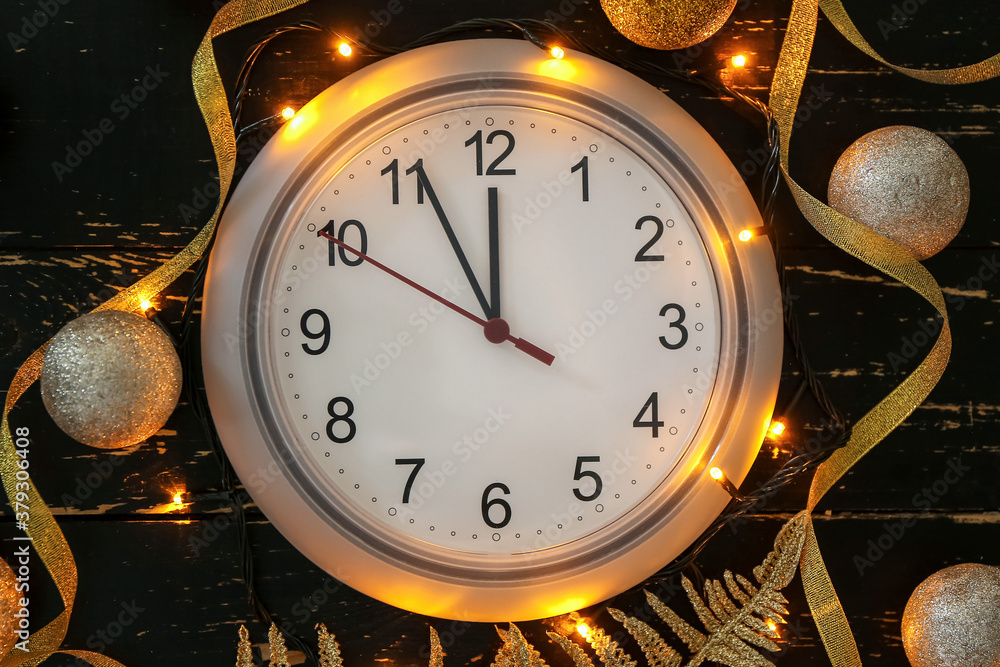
(494, 252)
(488, 310)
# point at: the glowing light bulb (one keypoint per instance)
(146, 305)
(584, 630)
(557, 52)
(739, 60)
(745, 235)
(772, 626)
(345, 49)
(288, 113)
(716, 473)
(777, 428)
(178, 498)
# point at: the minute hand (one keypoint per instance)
(496, 330)
(489, 310)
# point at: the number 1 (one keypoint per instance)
(584, 170)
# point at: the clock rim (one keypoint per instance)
(414, 76)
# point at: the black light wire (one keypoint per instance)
(836, 429)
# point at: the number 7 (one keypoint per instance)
(417, 465)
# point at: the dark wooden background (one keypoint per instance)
(166, 588)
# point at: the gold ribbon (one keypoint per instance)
(47, 537)
(987, 69)
(884, 255)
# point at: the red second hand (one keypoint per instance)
(496, 330)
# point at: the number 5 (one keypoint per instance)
(580, 473)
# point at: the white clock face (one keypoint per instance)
(402, 410)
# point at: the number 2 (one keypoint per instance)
(641, 256)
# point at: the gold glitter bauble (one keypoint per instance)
(953, 618)
(9, 606)
(905, 183)
(668, 24)
(110, 379)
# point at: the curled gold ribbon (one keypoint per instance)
(884, 255)
(987, 69)
(47, 537)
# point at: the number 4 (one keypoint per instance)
(654, 422)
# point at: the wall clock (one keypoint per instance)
(477, 325)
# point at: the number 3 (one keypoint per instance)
(676, 324)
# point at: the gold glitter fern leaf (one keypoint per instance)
(244, 652)
(607, 649)
(579, 656)
(658, 653)
(516, 651)
(279, 654)
(437, 653)
(740, 618)
(329, 649)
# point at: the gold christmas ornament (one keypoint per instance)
(110, 379)
(668, 24)
(953, 618)
(905, 183)
(9, 606)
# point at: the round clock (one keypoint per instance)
(477, 326)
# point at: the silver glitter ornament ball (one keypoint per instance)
(110, 379)
(905, 183)
(953, 618)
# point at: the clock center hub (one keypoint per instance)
(497, 330)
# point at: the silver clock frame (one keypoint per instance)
(321, 522)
